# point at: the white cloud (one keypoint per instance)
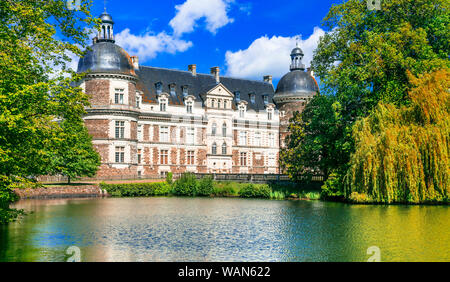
(270, 55)
(188, 13)
(148, 45)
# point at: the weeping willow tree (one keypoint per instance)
(402, 153)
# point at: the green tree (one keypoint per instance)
(362, 60)
(402, 152)
(74, 155)
(315, 139)
(37, 38)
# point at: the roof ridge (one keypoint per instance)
(204, 74)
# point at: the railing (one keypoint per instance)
(245, 178)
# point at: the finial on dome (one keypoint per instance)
(106, 29)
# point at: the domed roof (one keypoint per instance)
(106, 57)
(106, 18)
(295, 84)
(297, 51)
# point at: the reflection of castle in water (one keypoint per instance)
(147, 121)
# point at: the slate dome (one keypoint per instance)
(106, 57)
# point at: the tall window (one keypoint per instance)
(190, 135)
(213, 103)
(189, 107)
(139, 132)
(241, 111)
(164, 157)
(214, 129)
(271, 140)
(271, 160)
(163, 105)
(257, 139)
(243, 159)
(218, 103)
(214, 149)
(224, 130)
(139, 156)
(190, 158)
(138, 101)
(224, 148)
(120, 154)
(225, 104)
(164, 134)
(242, 138)
(118, 96)
(120, 129)
(269, 115)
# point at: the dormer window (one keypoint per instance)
(242, 111)
(225, 104)
(218, 103)
(266, 99)
(163, 104)
(237, 96)
(269, 114)
(172, 89)
(252, 97)
(213, 103)
(158, 87)
(185, 90)
(189, 107)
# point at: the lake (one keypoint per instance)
(224, 229)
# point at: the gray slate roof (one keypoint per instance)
(199, 84)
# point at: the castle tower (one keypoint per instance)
(294, 91)
(112, 117)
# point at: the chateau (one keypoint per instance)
(148, 121)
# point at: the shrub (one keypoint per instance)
(225, 189)
(359, 198)
(332, 188)
(169, 178)
(205, 186)
(137, 189)
(187, 185)
(255, 191)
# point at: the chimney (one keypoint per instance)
(310, 71)
(268, 78)
(193, 69)
(216, 72)
(135, 61)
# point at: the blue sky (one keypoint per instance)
(245, 38)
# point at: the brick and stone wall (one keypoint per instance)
(98, 89)
(59, 192)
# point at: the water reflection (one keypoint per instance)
(184, 229)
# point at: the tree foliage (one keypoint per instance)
(315, 139)
(402, 153)
(364, 59)
(37, 38)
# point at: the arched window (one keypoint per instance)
(109, 32)
(224, 148)
(214, 149)
(213, 129)
(224, 130)
(104, 31)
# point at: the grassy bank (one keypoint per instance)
(189, 186)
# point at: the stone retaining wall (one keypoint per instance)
(60, 192)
